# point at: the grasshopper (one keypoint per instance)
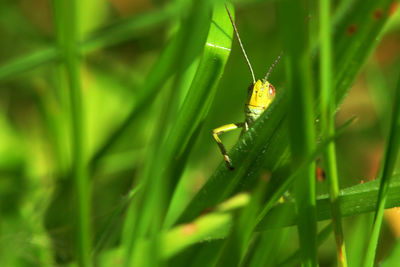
(260, 95)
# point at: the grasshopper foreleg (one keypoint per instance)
(226, 128)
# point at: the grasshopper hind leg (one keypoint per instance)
(225, 128)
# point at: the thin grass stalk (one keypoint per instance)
(389, 160)
(295, 30)
(327, 124)
(66, 18)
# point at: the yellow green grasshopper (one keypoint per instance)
(260, 95)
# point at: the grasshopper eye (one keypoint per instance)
(271, 90)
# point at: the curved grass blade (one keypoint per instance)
(388, 164)
(158, 180)
(358, 199)
(200, 95)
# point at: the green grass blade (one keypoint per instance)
(201, 93)
(27, 62)
(67, 26)
(327, 123)
(296, 41)
(159, 183)
(358, 199)
(388, 164)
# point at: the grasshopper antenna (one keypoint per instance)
(241, 46)
(273, 66)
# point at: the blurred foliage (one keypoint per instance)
(129, 73)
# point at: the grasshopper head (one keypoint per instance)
(260, 94)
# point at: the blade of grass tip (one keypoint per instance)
(65, 15)
(295, 31)
(212, 226)
(388, 164)
(327, 124)
(108, 226)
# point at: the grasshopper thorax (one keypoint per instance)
(260, 96)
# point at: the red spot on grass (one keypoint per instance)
(320, 174)
(351, 29)
(378, 14)
(393, 8)
(362, 182)
(189, 229)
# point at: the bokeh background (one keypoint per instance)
(35, 156)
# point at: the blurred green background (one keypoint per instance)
(36, 199)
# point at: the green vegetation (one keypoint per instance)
(106, 153)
